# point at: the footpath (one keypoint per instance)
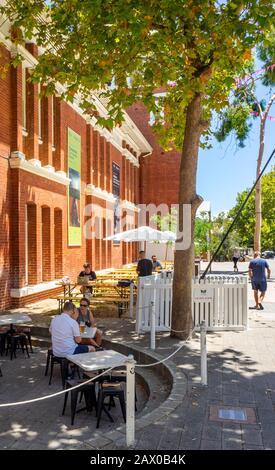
(241, 382)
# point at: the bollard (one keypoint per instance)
(130, 401)
(203, 354)
(153, 325)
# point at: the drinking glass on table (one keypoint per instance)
(82, 327)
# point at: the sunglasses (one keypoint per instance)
(83, 305)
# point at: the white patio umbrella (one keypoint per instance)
(143, 234)
(171, 236)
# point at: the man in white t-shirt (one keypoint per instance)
(65, 333)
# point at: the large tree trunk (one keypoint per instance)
(184, 259)
(258, 195)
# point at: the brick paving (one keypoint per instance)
(241, 374)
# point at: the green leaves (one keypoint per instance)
(246, 223)
(201, 45)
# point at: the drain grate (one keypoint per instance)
(235, 415)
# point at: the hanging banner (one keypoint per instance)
(116, 193)
(74, 202)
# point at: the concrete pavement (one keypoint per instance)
(241, 376)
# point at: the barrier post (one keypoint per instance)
(203, 353)
(130, 401)
(153, 325)
(131, 299)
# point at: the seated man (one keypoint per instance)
(85, 315)
(66, 339)
(89, 275)
(156, 264)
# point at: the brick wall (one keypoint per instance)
(5, 186)
(159, 172)
(38, 251)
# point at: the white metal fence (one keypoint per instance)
(221, 301)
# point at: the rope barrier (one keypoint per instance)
(2, 405)
(170, 329)
(166, 358)
(33, 400)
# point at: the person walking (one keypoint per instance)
(236, 256)
(257, 273)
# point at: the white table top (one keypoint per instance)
(14, 318)
(89, 332)
(98, 360)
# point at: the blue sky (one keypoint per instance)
(225, 170)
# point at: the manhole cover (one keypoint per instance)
(239, 415)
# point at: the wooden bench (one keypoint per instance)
(62, 299)
(121, 302)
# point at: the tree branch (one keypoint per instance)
(269, 104)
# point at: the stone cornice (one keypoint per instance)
(18, 160)
(136, 140)
(130, 206)
(92, 190)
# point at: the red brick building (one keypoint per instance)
(159, 174)
(35, 249)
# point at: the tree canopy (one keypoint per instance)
(185, 47)
(246, 222)
(126, 51)
(246, 102)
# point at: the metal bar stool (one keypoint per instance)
(89, 394)
(14, 341)
(63, 362)
(110, 390)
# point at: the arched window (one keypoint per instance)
(46, 244)
(58, 246)
(31, 243)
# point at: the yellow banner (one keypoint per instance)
(74, 191)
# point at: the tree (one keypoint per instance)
(246, 106)
(245, 225)
(193, 49)
(221, 224)
(203, 228)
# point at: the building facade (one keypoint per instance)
(67, 183)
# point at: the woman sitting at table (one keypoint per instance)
(86, 276)
(85, 316)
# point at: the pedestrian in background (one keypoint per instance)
(257, 273)
(236, 256)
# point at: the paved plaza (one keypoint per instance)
(241, 376)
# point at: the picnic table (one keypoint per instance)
(15, 318)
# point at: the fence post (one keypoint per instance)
(131, 299)
(138, 306)
(130, 401)
(153, 325)
(203, 353)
